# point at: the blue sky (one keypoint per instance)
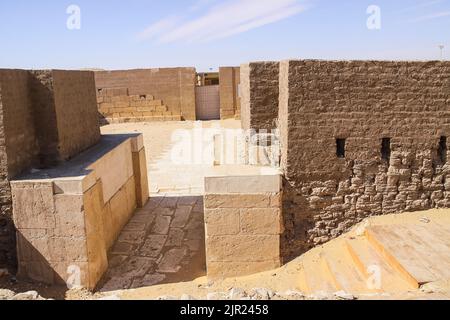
(119, 34)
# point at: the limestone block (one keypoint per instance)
(213, 201)
(33, 205)
(141, 178)
(226, 269)
(243, 248)
(222, 222)
(261, 221)
(243, 184)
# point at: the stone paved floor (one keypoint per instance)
(163, 243)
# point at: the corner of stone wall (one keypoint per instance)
(243, 217)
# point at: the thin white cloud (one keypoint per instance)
(423, 5)
(226, 19)
(200, 4)
(432, 16)
(159, 27)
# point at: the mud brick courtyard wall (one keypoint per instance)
(360, 139)
(259, 90)
(47, 116)
(175, 87)
(230, 102)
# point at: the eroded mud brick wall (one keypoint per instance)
(230, 102)
(174, 86)
(46, 117)
(259, 95)
(330, 189)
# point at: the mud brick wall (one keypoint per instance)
(362, 102)
(18, 147)
(259, 95)
(230, 102)
(174, 86)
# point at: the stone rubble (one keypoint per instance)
(263, 294)
(6, 294)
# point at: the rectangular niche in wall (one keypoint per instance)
(386, 149)
(340, 148)
(442, 150)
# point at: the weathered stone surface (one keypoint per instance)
(261, 221)
(162, 225)
(213, 201)
(181, 218)
(153, 246)
(222, 221)
(149, 280)
(170, 263)
(176, 237)
(243, 248)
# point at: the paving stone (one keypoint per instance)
(153, 246)
(169, 202)
(181, 217)
(162, 225)
(134, 267)
(193, 245)
(176, 237)
(144, 218)
(122, 248)
(195, 235)
(170, 263)
(116, 260)
(117, 283)
(134, 225)
(154, 202)
(187, 201)
(132, 236)
(195, 225)
(149, 280)
(164, 211)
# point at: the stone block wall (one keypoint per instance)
(174, 86)
(363, 103)
(47, 116)
(259, 95)
(68, 217)
(243, 217)
(116, 106)
(76, 113)
(18, 149)
(230, 104)
(64, 112)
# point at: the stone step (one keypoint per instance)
(343, 272)
(317, 278)
(369, 263)
(405, 251)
